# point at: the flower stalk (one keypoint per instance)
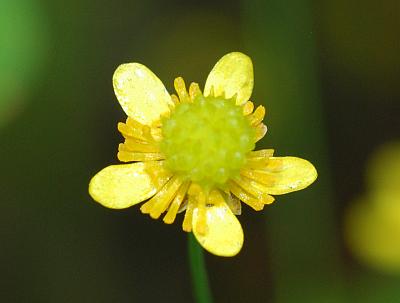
(198, 271)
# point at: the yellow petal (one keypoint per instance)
(232, 75)
(224, 234)
(140, 93)
(121, 186)
(286, 174)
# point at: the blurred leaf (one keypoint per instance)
(24, 41)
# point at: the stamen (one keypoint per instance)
(215, 197)
(248, 108)
(139, 132)
(159, 175)
(134, 145)
(176, 203)
(126, 156)
(233, 203)
(171, 107)
(256, 163)
(261, 130)
(156, 134)
(187, 221)
(180, 88)
(194, 91)
(258, 115)
(163, 198)
(183, 206)
(175, 99)
(262, 153)
(133, 123)
(245, 197)
(165, 191)
(201, 225)
(255, 189)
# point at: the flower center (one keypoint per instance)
(207, 141)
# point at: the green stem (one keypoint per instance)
(201, 287)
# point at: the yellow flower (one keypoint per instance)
(194, 152)
(372, 221)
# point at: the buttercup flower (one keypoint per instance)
(193, 153)
(372, 220)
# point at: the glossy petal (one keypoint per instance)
(287, 174)
(121, 186)
(140, 93)
(224, 234)
(232, 75)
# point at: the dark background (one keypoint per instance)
(327, 72)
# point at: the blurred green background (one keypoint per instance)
(327, 72)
